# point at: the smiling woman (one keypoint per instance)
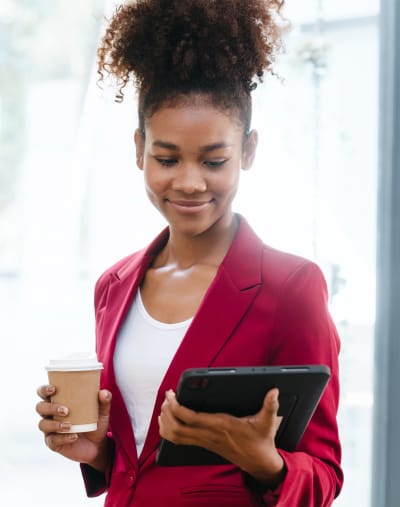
(71, 203)
(206, 291)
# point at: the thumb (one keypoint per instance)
(104, 403)
(269, 410)
(271, 403)
(268, 413)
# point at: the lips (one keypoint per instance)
(190, 204)
(186, 206)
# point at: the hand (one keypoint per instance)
(248, 442)
(91, 448)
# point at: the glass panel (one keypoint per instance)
(305, 11)
(46, 57)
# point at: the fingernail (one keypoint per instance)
(65, 426)
(72, 436)
(50, 390)
(62, 410)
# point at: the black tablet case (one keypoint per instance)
(240, 391)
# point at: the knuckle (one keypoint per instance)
(47, 425)
(39, 407)
(39, 391)
(176, 430)
(49, 439)
(42, 391)
(222, 423)
(192, 418)
(273, 406)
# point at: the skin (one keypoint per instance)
(191, 157)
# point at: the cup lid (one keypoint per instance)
(77, 361)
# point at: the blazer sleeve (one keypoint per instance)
(304, 333)
(97, 483)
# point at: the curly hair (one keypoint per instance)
(170, 49)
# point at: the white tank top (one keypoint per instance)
(144, 350)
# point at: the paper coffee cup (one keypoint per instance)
(76, 378)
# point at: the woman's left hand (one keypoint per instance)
(248, 442)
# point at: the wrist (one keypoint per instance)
(104, 456)
(270, 475)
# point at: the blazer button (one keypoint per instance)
(130, 478)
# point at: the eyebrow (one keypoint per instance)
(204, 149)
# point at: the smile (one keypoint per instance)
(189, 207)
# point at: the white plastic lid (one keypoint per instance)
(78, 361)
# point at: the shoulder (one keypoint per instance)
(131, 264)
(252, 259)
(285, 268)
(292, 279)
(116, 272)
(119, 267)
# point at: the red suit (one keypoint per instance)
(264, 307)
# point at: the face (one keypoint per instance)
(191, 157)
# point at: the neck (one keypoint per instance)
(207, 248)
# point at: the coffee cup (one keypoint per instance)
(76, 378)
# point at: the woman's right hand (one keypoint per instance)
(92, 448)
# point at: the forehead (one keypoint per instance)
(190, 123)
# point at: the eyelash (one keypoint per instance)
(167, 162)
(211, 164)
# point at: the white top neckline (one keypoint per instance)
(157, 323)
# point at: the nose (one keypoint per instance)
(189, 180)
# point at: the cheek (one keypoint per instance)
(155, 181)
(227, 184)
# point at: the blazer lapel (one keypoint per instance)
(121, 291)
(235, 286)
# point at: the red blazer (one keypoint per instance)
(264, 307)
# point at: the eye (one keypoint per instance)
(166, 162)
(214, 164)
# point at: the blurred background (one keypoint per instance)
(72, 202)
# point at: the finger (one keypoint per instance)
(171, 426)
(167, 418)
(56, 441)
(48, 426)
(271, 402)
(48, 409)
(190, 417)
(206, 431)
(45, 391)
(269, 411)
(184, 426)
(178, 411)
(174, 430)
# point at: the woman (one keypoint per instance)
(206, 291)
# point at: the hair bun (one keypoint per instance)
(184, 41)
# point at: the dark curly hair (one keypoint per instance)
(172, 49)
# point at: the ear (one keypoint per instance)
(139, 143)
(249, 150)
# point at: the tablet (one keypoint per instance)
(240, 391)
